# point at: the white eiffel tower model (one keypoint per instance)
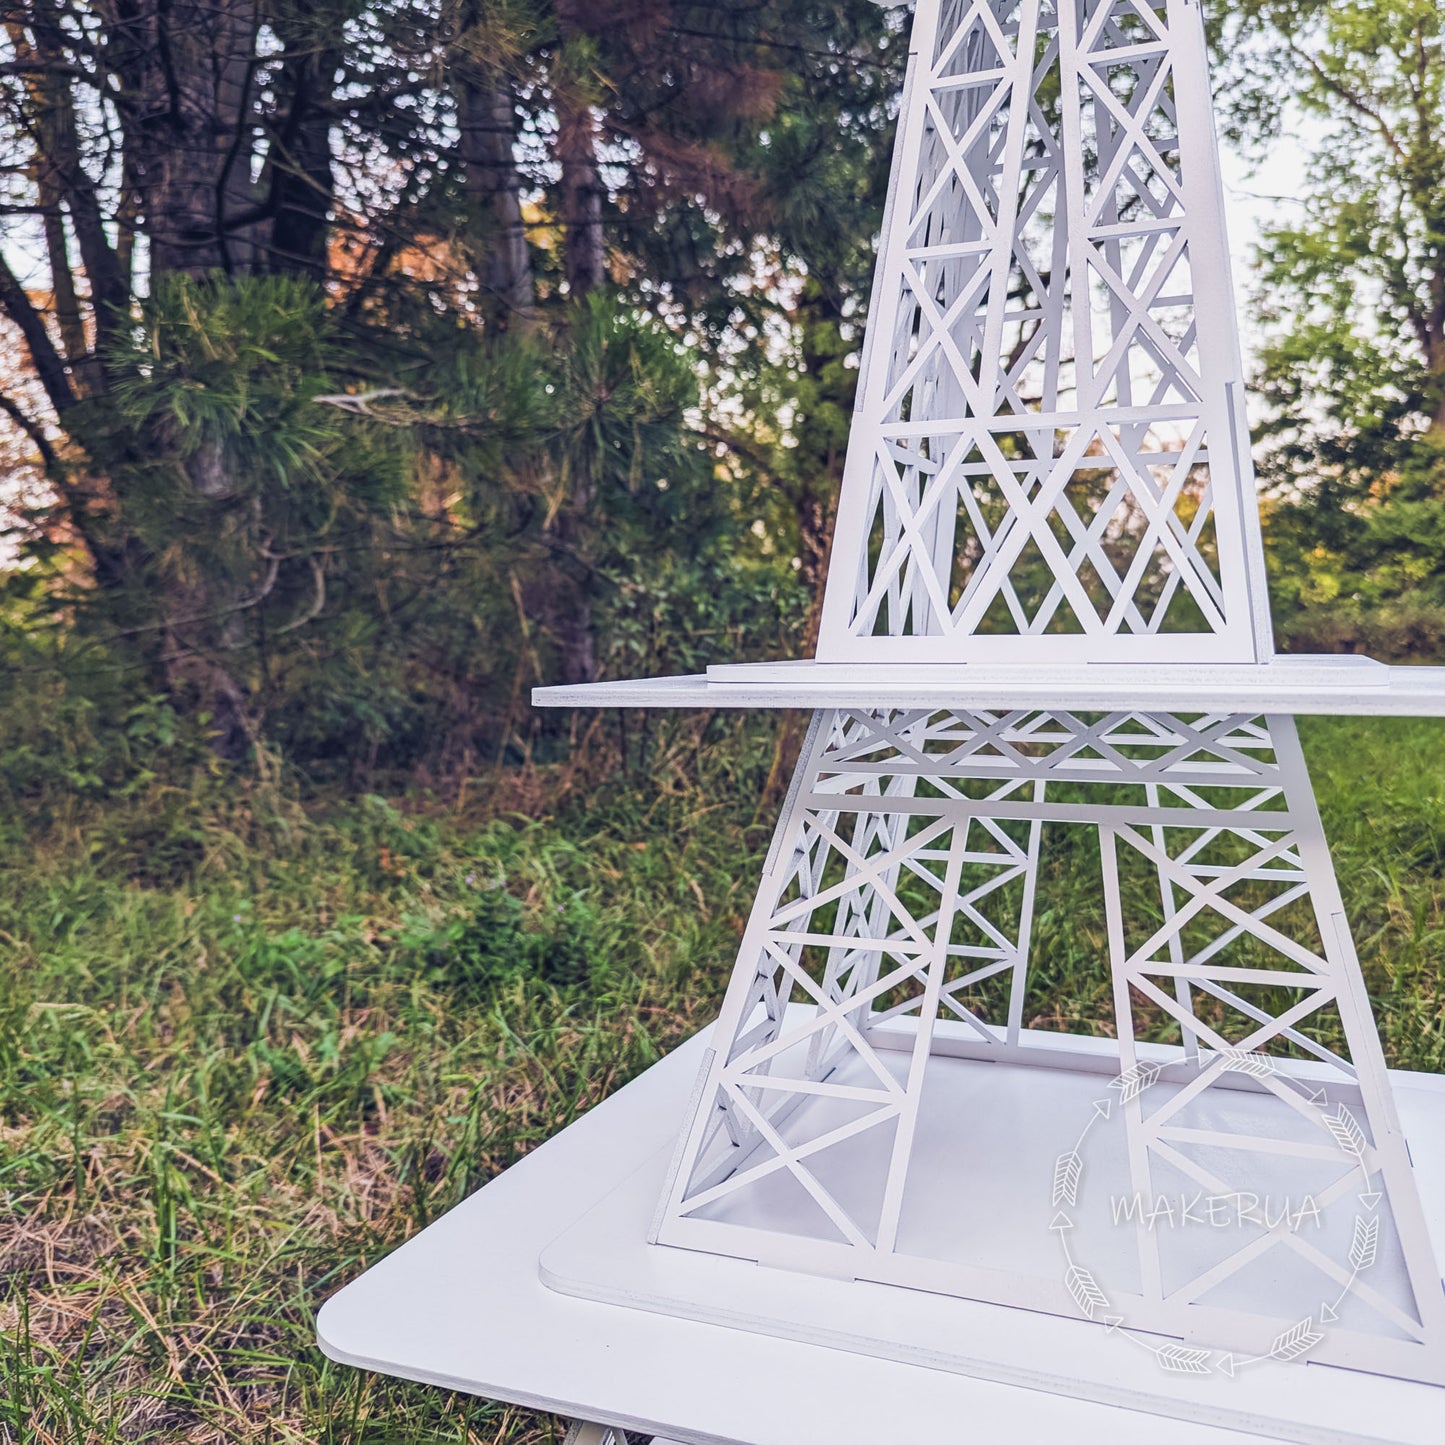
(1046, 626)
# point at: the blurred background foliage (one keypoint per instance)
(370, 365)
(1349, 295)
(365, 365)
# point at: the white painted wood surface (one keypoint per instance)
(1359, 687)
(1018, 1113)
(462, 1306)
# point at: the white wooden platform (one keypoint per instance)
(1288, 684)
(464, 1306)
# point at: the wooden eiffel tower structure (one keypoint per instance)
(1048, 488)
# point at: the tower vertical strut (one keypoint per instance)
(897, 904)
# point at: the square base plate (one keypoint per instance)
(719, 1351)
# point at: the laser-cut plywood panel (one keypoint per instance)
(1047, 458)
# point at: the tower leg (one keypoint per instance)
(888, 955)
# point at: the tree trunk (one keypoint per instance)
(65, 177)
(487, 120)
(206, 612)
(585, 255)
(187, 114)
(815, 527)
(584, 265)
(301, 180)
(567, 599)
(572, 630)
(1435, 361)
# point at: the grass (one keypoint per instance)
(247, 1048)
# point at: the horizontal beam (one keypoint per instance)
(1097, 814)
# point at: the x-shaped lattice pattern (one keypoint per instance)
(1037, 454)
(898, 904)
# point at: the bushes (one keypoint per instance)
(1405, 629)
(371, 587)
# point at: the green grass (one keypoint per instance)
(246, 1048)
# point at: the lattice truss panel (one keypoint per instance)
(910, 869)
(1037, 449)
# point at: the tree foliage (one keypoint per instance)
(1352, 294)
(369, 353)
(371, 363)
